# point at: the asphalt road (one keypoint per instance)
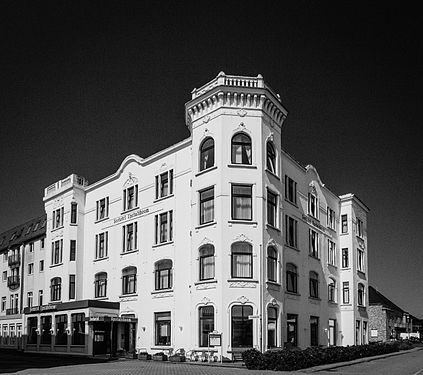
(404, 364)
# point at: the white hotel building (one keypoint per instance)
(223, 231)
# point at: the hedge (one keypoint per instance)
(289, 360)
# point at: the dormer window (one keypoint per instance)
(207, 154)
(241, 149)
(130, 198)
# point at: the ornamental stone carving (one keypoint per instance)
(132, 180)
(241, 284)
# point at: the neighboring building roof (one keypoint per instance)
(23, 233)
(377, 298)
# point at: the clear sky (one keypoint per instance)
(84, 84)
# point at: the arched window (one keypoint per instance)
(241, 149)
(163, 274)
(332, 290)
(56, 288)
(314, 285)
(207, 154)
(272, 322)
(242, 327)
(291, 278)
(242, 260)
(270, 157)
(129, 280)
(206, 324)
(100, 285)
(206, 262)
(360, 299)
(272, 264)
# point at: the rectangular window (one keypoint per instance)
(42, 243)
(29, 299)
(313, 206)
(360, 228)
(205, 324)
(101, 245)
(332, 332)
(242, 202)
(41, 265)
(40, 297)
(357, 332)
(272, 208)
(164, 184)
(56, 252)
(331, 253)
(290, 190)
(102, 209)
(162, 328)
(78, 329)
(345, 258)
(61, 325)
(331, 218)
(31, 247)
(345, 292)
(207, 205)
(30, 268)
(292, 329)
(314, 331)
(3, 304)
(58, 218)
(45, 329)
(74, 213)
(364, 340)
(4, 257)
(71, 286)
(164, 227)
(130, 232)
(32, 330)
(314, 243)
(130, 198)
(129, 281)
(344, 223)
(360, 260)
(291, 226)
(72, 250)
(4, 278)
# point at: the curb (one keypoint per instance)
(355, 361)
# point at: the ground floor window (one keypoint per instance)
(242, 327)
(162, 328)
(292, 329)
(357, 332)
(78, 329)
(206, 324)
(314, 331)
(61, 324)
(332, 332)
(364, 341)
(46, 329)
(32, 330)
(272, 320)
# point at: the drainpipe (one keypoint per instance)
(261, 299)
(22, 279)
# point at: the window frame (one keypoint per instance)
(332, 290)
(314, 244)
(203, 322)
(74, 213)
(57, 218)
(130, 242)
(56, 289)
(240, 148)
(272, 264)
(360, 261)
(130, 198)
(331, 253)
(72, 286)
(158, 324)
(100, 285)
(346, 292)
(272, 320)
(313, 284)
(291, 237)
(344, 224)
(244, 325)
(102, 209)
(72, 250)
(203, 258)
(290, 190)
(162, 180)
(102, 245)
(271, 158)
(361, 292)
(163, 228)
(129, 280)
(291, 272)
(162, 273)
(57, 252)
(204, 153)
(203, 205)
(272, 208)
(246, 198)
(330, 217)
(313, 205)
(345, 253)
(239, 253)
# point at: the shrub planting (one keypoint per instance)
(290, 360)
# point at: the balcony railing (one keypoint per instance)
(14, 260)
(13, 282)
(12, 311)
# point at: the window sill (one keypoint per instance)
(240, 279)
(162, 244)
(206, 170)
(292, 247)
(101, 298)
(332, 229)
(317, 299)
(270, 226)
(237, 221)
(272, 174)
(209, 281)
(73, 224)
(249, 166)
(362, 274)
(57, 228)
(275, 283)
(292, 293)
(130, 210)
(333, 303)
(129, 252)
(313, 217)
(163, 198)
(291, 203)
(332, 265)
(170, 290)
(56, 265)
(209, 224)
(314, 257)
(128, 295)
(345, 268)
(162, 347)
(344, 234)
(100, 220)
(100, 259)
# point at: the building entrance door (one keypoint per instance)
(101, 339)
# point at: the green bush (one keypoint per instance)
(290, 360)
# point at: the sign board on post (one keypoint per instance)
(253, 316)
(215, 339)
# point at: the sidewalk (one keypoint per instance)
(349, 363)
